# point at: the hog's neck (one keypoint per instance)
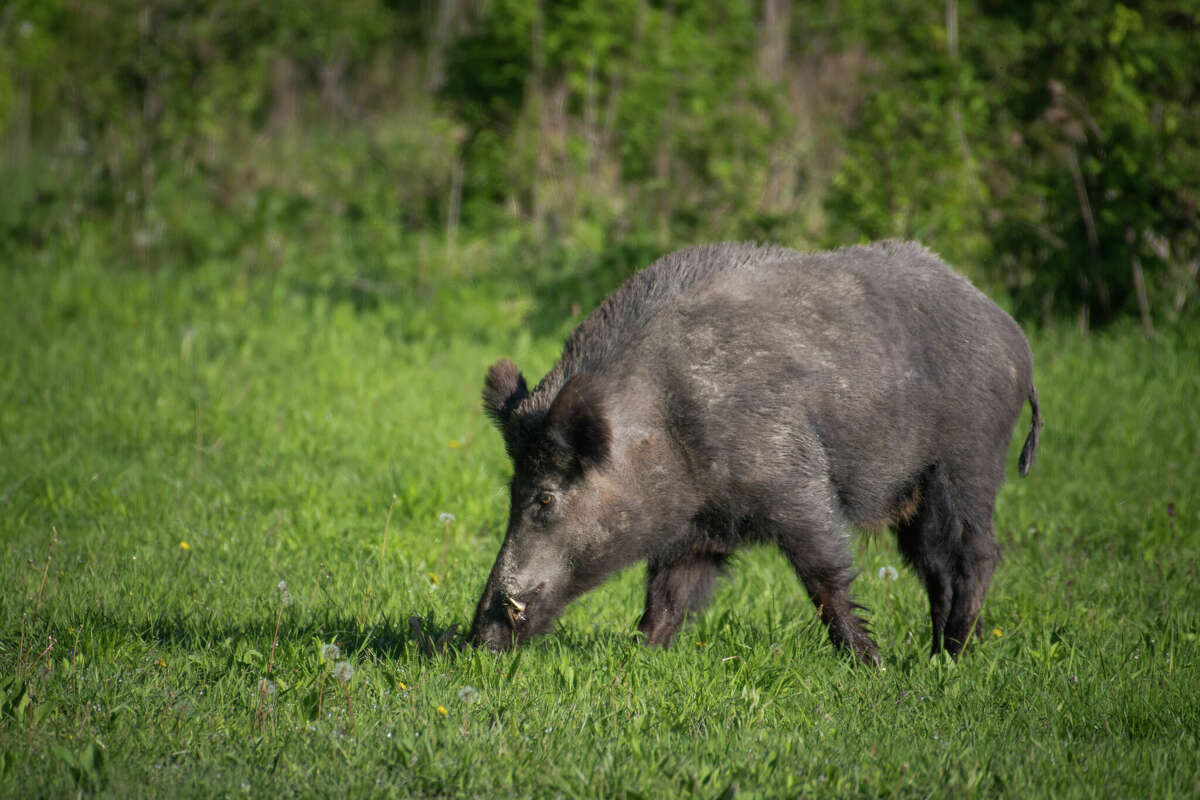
(622, 319)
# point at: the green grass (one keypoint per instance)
(273, 424)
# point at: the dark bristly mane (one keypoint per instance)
(622, 317)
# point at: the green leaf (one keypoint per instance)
(512, 668)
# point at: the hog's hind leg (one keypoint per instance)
(980, 554)
(675, 589)
(927, 542)
(949, 542)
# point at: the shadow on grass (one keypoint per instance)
(422, 637)
(402, 639)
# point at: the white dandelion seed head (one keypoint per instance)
(446, 518)
(285, 596)
(468, 694)
(330, 652)
(888, 573)
(266, 687)
(343, 671)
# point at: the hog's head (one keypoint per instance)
(563, 523)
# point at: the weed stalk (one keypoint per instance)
(21, 649)
(46, 569)
(260, 714)
(387, 523)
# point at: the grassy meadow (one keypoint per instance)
(179, 445)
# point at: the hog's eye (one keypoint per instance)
(545, 499)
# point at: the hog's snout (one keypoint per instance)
(492, 626)
(515, 610)
(503, 619)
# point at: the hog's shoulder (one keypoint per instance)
(625, 315)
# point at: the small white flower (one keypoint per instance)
(446, 518)
(888, 574)
(343, 671)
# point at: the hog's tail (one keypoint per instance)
(1029, 451)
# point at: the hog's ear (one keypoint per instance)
(577, 421)
(503, 389)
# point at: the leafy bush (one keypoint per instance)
(1051, 151)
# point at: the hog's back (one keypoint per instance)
(866, 364)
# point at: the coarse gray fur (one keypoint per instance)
(731, 394)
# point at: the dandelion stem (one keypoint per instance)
(387, 524)
(46, 569)
(32, 715)
(321, 693)
(21, 649)
(274, 640)
(49, 647)
(258, 712)
(259, 717)
(74, 671)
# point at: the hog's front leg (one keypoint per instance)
(674, 590)
(810, 534)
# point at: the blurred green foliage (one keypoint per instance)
(1049, 150)
(1056, 143)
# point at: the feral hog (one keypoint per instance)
(734, 394)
